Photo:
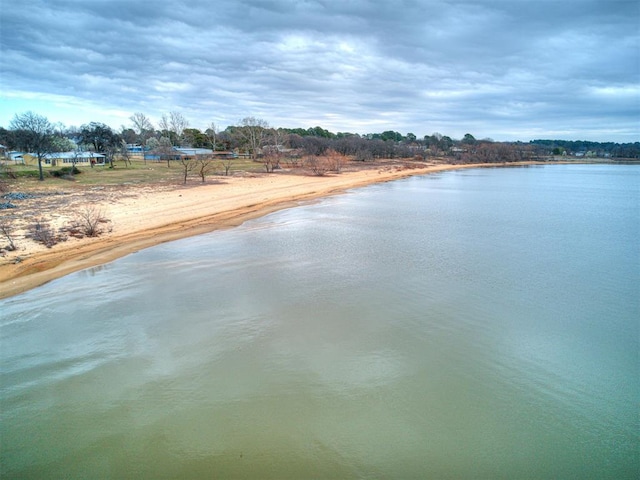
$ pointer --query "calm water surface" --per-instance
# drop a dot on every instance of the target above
(472, 324)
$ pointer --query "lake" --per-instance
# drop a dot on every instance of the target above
(471, 324)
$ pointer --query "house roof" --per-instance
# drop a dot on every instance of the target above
(70, 155)
(194, 151)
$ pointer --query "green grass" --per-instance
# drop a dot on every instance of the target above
(138, 172)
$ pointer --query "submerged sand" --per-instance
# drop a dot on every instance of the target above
(143, 216)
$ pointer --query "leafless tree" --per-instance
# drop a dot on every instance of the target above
(188, 165)
(89, 220)
(6, 229)
(178, 124)
(175, 124)
(205, 167)
(212, 133)
(335, 160)
(163, 124)
(271, 161)
(254, 130)
(142, 126)
(278, 138)
(125, 154)
(141, 123)
(318, 165)
(226, 165)
(164, 149)
(42, 232)
(74, 161)
(271, 157)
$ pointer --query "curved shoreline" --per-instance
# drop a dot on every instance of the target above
(161, 217)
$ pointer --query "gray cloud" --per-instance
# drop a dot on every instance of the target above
(503, 69)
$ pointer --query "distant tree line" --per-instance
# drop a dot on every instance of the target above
(30, 132)
(584, 147)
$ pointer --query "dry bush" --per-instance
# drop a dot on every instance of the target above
(41, 231)
(319, 166)
(6, 230)
(188, 165)
(292, 160)
(336, 160)
(6, 174)
(88, 222)
(271, 161)
(206, 166)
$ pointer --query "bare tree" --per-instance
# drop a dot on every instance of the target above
(278, 138)
(164, 125)
(34, 133)
(188, 165)
(226, 165)
(141, 123)
(254, 130)
(125, 154)
(74, 161)
(335, 160)
(163, 148)
(271, 157)
(6, 229)
(174, 125)
(43, 232)
(142, 126)
(205, 167)
(318, 165)
(178, 124)
(212, 133)
(89, 220)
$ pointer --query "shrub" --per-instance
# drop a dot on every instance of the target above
(88, 222)
(41, 231)
(318, 165)
(7, 172)
(64, 172)
(27, 174)
(6, 230)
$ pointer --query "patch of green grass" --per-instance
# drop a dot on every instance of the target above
(64, 172)
(27, 174)
(137, 172)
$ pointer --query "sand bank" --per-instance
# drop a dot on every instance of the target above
(144, 217)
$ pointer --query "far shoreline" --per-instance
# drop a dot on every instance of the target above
(201, 209)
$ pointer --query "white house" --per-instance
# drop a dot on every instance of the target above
(66, 159)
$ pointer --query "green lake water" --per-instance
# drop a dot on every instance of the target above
(471, 324)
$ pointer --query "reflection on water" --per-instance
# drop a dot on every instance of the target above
(478, 324)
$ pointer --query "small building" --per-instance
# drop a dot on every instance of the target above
(135, 148)
(224, 154)
(62, 159)
(193, 152)
(16, 157)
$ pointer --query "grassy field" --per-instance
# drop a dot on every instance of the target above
(138, 172)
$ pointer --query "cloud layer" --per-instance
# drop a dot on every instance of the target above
(502, 69)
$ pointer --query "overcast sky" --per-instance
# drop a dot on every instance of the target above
(508, 70)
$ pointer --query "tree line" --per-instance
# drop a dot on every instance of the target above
(33, 133)
(585, 147)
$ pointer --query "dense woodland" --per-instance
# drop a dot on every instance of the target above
(30, 132)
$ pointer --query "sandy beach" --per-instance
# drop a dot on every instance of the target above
(143, 216)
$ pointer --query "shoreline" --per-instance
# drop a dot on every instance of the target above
(150, 218)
